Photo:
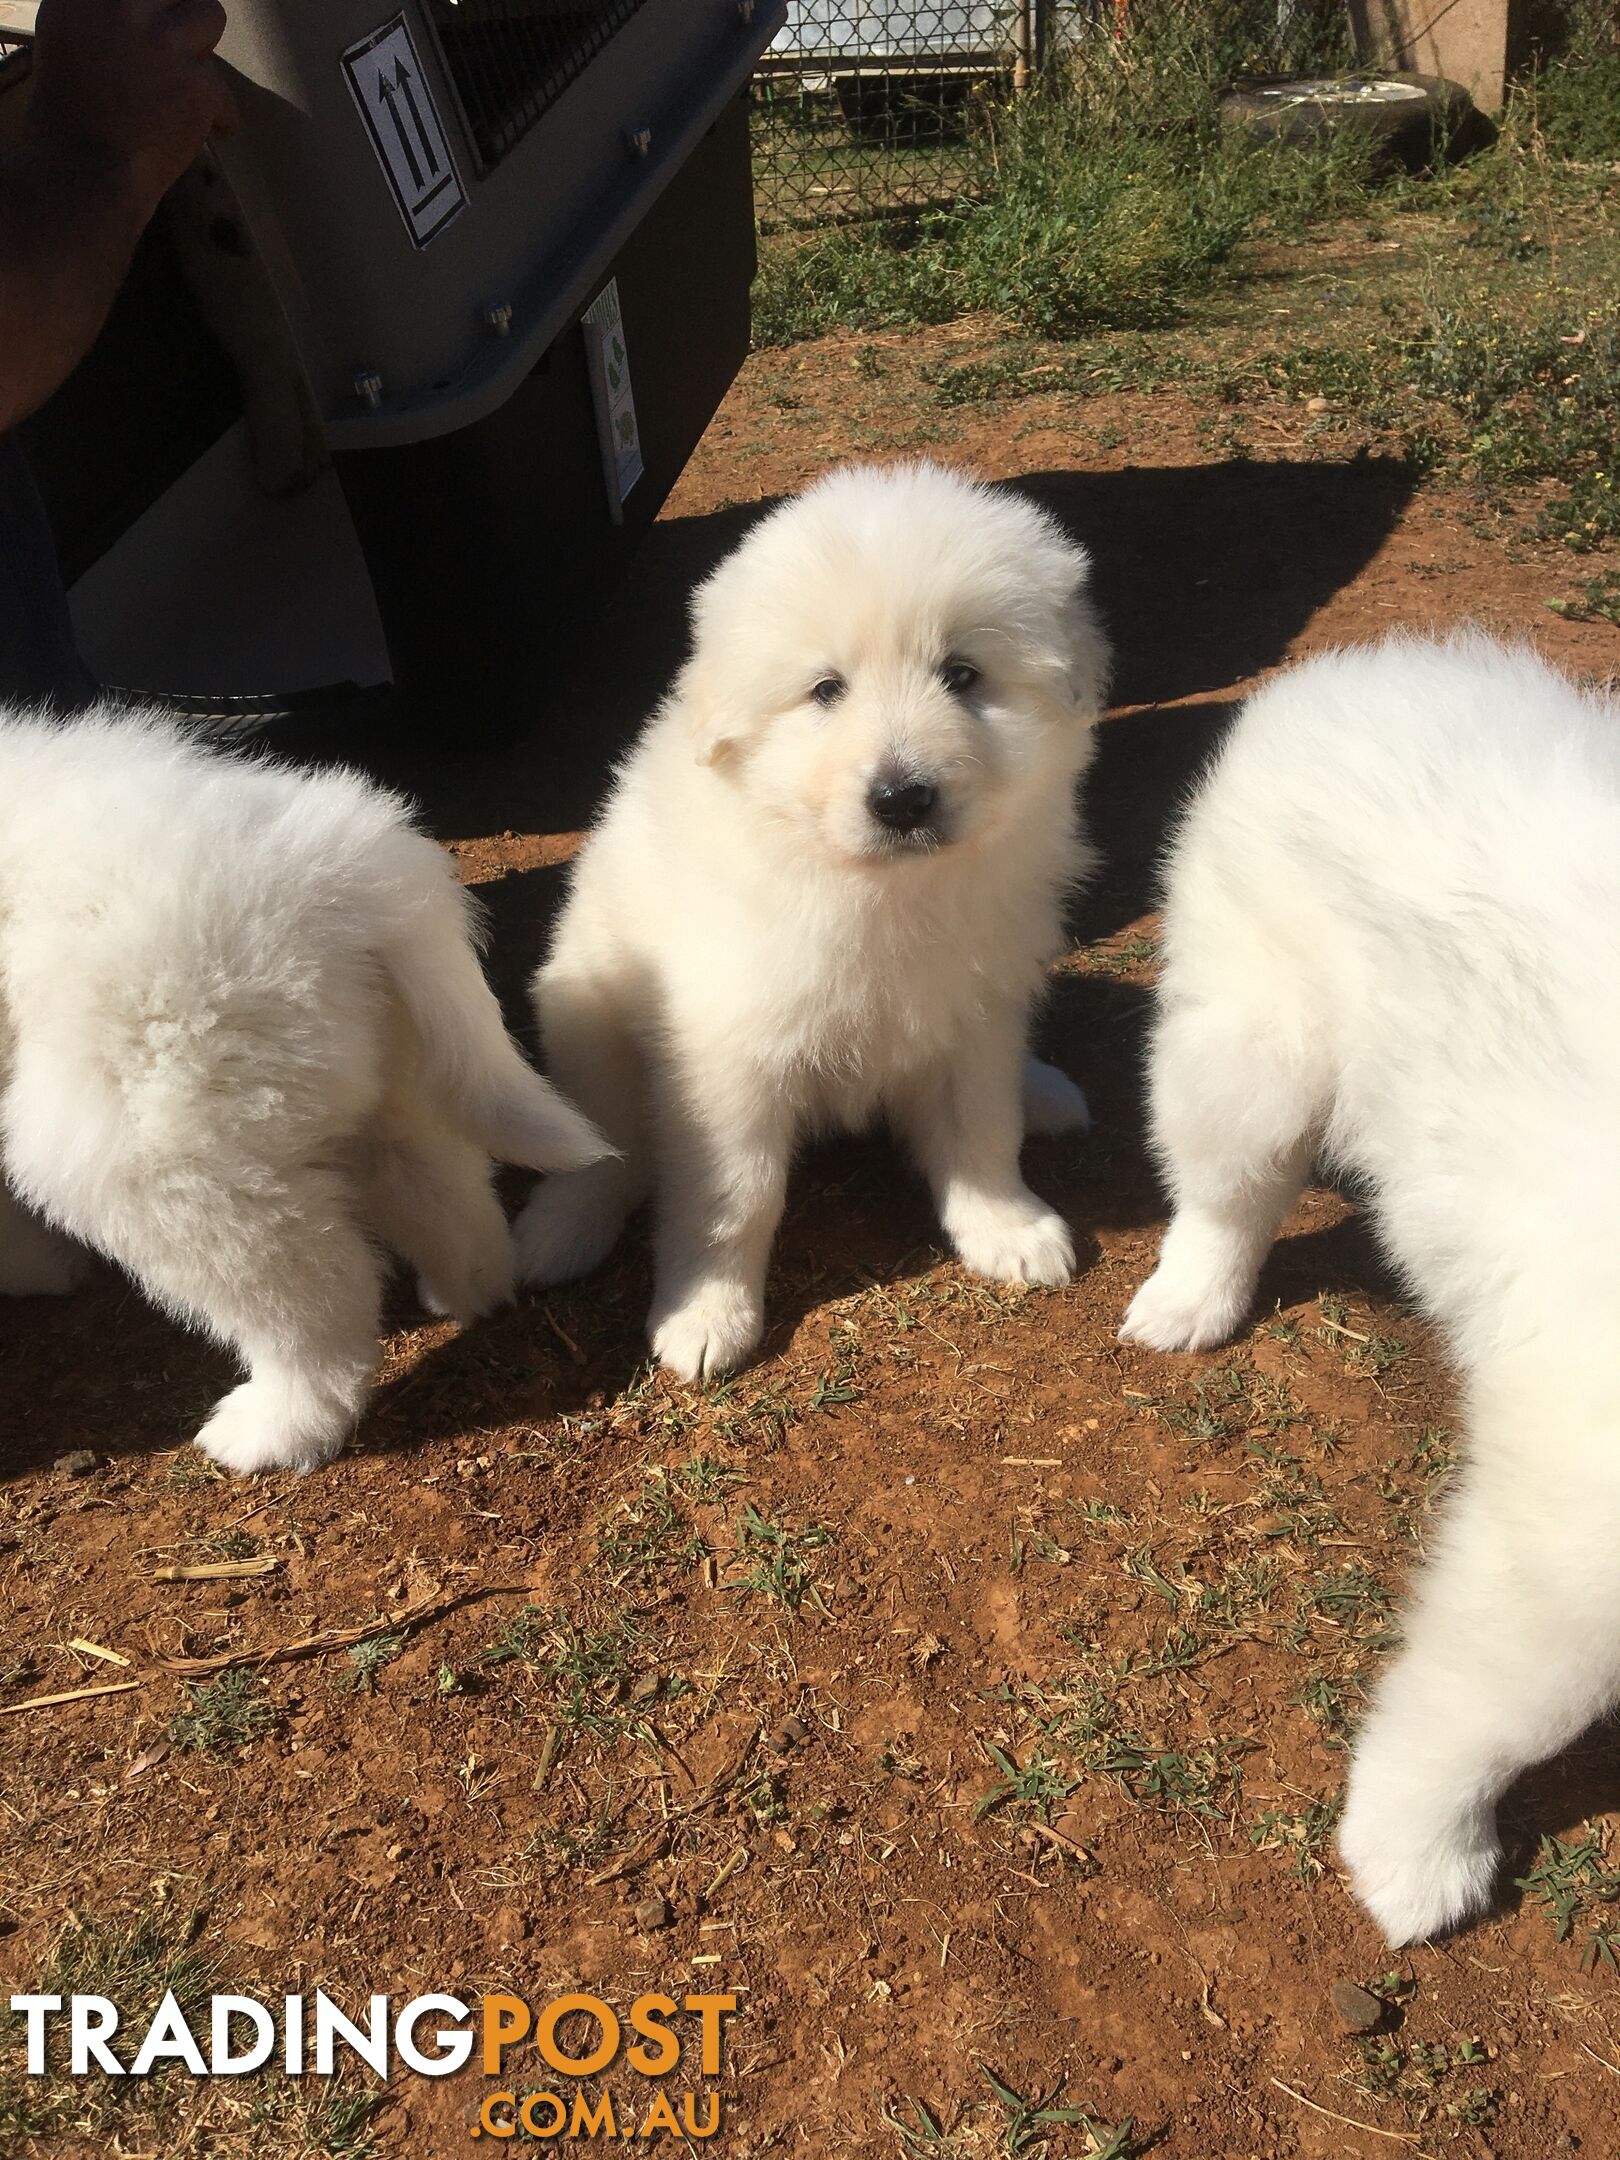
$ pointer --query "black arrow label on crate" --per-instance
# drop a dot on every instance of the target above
(395, 100)
(402, 83)
(387, 93)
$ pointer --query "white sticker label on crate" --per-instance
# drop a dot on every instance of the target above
(385, 76)
(603, 325)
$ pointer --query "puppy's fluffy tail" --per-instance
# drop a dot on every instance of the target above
(468, 1062)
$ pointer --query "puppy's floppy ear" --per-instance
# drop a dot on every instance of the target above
(715, 720)
(1074, 656)
(1086, 657)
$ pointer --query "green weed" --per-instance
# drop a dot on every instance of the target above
(223, 1716)
(777, 1558)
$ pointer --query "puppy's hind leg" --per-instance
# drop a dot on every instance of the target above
(430, 1196)
(1235, 1102)
(1053, 1103)
(572, 1221)
(1512, 1649)
(281, 1272)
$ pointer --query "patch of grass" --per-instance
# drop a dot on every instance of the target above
(765, 1417)
(187, 1470)
(1323, 1699)
(1598, 600)
(776, 1559)
(706, 1478)
(1570, 1879)
(521, 1640)
(1008, 2124)
(1350, 1597)
(837, 1384)
(1100, 1516)
(322, 2118)
(1201, 1777)
(593, 1678)
(134, 1962)
(1104, 198)
(593, 1668)
(1027, 1541)
(1295, 1497)
(1434, 1452)
(1024, 2123)
(649, 1535)
(1427, 2079)
(223, 1716)
(1036, 1786)
(1218, 1407)
(1304, 1836)
(1572, 104)
(232, 1545)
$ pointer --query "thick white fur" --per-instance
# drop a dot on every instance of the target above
(746, 954)
(1393, 932)
(243, 1035)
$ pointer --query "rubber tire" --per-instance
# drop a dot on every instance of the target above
(1428, 117)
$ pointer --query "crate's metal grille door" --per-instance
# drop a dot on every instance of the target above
(511, 59)
(861, 107)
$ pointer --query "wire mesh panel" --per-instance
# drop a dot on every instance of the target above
(861, 107)
(511, 59)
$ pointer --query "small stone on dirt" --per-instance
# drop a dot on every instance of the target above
(653, 1913)
(786, 1736)
(1360, 2010)
(78, 1462)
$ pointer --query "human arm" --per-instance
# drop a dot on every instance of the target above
(124, 95)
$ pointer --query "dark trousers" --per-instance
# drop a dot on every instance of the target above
(39, 662)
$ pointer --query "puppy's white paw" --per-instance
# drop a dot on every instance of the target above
(265, 1425)
(1173, 1312)
(712, 1331)
(570, 1225)
(1053, 1103)
(1014, 1241)
(1418, 1874)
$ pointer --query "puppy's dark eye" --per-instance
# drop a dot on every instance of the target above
(958, 676)
(829, 690)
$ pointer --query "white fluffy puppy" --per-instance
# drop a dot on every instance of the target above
(1393, 933)
(243, 1033)
(825, 889)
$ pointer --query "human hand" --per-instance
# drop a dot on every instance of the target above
(131, 85)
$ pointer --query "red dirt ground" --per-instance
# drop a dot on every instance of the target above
(1034, 1779)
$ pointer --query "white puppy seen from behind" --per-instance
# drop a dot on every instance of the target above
(1393, 937)
(245, 1041)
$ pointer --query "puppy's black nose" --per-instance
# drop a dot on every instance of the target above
(901, 805)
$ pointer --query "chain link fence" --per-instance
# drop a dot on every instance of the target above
(863, 107)
(868, 108)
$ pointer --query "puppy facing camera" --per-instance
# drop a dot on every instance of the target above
(825, 891)
(246, 1044)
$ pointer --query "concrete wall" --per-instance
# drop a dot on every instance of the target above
(1477, 43)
